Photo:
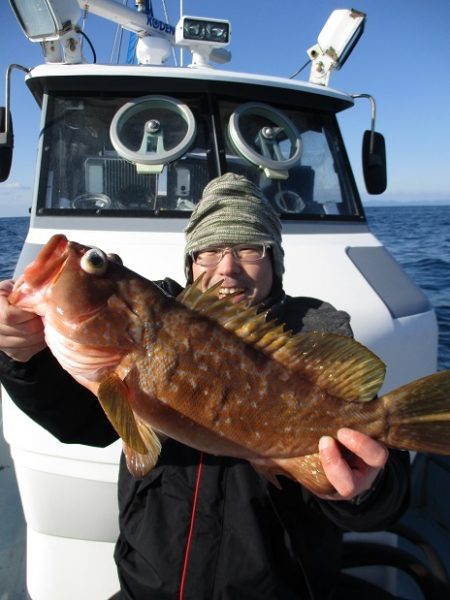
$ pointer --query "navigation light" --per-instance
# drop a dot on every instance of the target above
(45, 20)
(203, 37)
(336, 41)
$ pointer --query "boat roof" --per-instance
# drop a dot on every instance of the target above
(63, 77)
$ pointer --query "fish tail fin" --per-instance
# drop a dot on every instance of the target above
(419, 415)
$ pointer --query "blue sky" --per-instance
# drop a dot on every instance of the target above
(402, 59)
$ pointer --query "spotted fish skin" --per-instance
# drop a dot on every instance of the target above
(216, 375)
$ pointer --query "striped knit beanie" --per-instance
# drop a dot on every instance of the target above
(233, 210)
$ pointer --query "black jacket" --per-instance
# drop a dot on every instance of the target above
(208, 526)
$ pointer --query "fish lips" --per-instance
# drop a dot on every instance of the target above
(44, 269)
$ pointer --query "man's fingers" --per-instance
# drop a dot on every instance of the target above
(6, 287)
(21, 332)
(11, 316)
(337, 470)
(373, 453)
(352, 462)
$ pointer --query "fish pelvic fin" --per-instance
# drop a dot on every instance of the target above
(419, 415)
(306, 470)
(338, 364)
(141, 444)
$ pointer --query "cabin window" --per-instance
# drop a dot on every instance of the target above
(152, 155)
(304, 177)
(83, 173)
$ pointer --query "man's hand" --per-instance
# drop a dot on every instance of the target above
(353, 464)
(21, 333)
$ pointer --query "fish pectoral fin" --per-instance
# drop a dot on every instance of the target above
(140, 464)
(113, 397)
(141, 445)
(306, 470)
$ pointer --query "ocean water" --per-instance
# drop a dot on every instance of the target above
(13, 231)
(417, 236)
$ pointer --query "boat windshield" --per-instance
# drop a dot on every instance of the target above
(153, 155)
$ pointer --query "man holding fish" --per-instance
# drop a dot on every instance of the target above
(206, 514)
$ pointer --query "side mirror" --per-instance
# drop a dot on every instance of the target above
(6, 144)
(374, 162)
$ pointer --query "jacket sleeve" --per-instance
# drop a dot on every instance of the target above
(303, 314)
(382, 506)
(51, 397)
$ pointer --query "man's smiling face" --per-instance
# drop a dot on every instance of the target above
(252, 280)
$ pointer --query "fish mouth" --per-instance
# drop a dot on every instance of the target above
(48, 262)
(44, 269)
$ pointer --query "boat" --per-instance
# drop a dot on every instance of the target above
(124, 153)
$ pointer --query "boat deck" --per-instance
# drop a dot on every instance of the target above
(12, 529)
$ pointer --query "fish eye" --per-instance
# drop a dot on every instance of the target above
(94, 262)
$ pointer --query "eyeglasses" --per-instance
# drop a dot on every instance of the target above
(242, 253)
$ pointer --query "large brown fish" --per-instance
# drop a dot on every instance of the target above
(215, 375)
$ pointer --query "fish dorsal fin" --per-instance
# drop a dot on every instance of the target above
(337, 364)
